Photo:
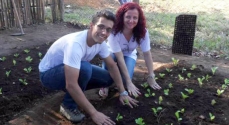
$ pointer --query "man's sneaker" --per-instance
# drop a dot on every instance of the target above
(72, 115)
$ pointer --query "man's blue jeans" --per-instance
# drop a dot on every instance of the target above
(130, 64)
(90, 77)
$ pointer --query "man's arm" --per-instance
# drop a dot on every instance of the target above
(72, 86)
(114, 72)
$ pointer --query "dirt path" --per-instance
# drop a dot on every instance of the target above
(34, 35)
(46, 111)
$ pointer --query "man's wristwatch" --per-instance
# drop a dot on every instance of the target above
(124, 93)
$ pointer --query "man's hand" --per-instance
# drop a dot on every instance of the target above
(152, 83)
(127, 100)
(132, 89)
(101, 119)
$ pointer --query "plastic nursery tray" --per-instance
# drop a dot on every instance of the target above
(184, 34)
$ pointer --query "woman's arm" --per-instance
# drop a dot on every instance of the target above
(132, 89)
(151, 76)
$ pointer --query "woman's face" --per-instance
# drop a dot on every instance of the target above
(131, 19)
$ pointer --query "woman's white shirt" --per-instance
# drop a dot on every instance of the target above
(118, 43)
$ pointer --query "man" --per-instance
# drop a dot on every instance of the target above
(66, 67)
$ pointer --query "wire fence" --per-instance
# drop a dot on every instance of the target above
(28, 12)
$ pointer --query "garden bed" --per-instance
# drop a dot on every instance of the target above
(16, 96)
(19, 95)
(203, 107)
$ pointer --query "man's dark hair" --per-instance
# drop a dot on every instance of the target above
(103, 13)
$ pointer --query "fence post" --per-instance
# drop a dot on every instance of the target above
(61, 8)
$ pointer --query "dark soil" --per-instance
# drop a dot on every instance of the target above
(17, 97)
(197, 106)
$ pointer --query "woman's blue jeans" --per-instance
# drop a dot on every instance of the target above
(90, 76)
(130, 64)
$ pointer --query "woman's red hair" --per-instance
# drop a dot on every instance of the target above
(139, 30)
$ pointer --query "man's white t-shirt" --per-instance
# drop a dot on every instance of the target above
(70, 50)
(119, 43)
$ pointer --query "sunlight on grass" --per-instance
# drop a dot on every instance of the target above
(212, 24)
(211, 28)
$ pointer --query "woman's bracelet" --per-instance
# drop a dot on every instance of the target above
(151, 76)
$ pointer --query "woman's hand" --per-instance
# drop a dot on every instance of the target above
(132, 89)
(127, 100)
(152, 82)
(101, 119)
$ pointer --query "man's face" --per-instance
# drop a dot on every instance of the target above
(101, 30)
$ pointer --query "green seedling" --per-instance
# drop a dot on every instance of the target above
(39, 54)
(8, 73)
(0, 91)
(207, 77)
(126, 102)
(219, 92)
(26, 51)
(14, 62)
(190, 91)
(155, 110)
(160, 100)
(213, 102)
(29, 59)
(226, 81)
(183, 70)
(23, 81)
(224, 87)
(28, 70)
(214, 70)
(119, 117)
(170, 85)
(180, 77)
(168, 70)
(193, 67)
(149, 93)
(16, 55)
(189, 75)
(139, 121)
(145, 85)
(3, 58)
(200, 80)
(184, 96)
(161, 75)
(177, 114)
(175, 61)
(166, 91)
(212, 117)
(182, 110)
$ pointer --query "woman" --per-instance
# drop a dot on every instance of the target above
(130, 32)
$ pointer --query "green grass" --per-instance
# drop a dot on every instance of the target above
(212, 26)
